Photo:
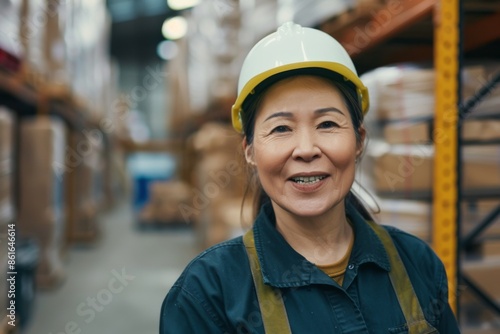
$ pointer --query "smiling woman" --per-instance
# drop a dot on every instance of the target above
(314, 261)
(304, 148)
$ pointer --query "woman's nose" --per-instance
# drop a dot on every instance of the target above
(306, 148)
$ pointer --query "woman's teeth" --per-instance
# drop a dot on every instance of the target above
(307, 179)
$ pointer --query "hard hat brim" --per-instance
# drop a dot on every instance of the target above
(250, 86)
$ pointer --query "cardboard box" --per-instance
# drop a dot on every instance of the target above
(485, 274)
(32, 33)
(41, 168)
(406, 91)
(490, 248)
(213, 137)
(54, 46)
(41, 203)
(6, 200)
(222, 173)
(171, 202)
(414, 217)
(220, 165)
(86, 228)
(6, 138)
(50, 271)
(421, 132)
(466, 330)
(83, 188)
(407, 170)
(225, 218)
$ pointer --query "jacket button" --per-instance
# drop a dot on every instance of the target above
(351, 266)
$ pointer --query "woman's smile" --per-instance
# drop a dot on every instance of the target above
(308, 182)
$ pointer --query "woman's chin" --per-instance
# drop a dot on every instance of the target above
(306, 208)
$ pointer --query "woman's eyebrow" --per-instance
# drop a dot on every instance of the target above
(280, 114)
(328, 109)
(288, 114)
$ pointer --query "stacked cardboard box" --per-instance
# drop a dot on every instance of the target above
(399, 161)
(407, 170)
(171, 203)
(415, 217)
(84, 186)
(229, 217)
(219, 183)
(406, 91)
(64, 49)
(6, 161)
(41, 200)
(484, 273)
(400, 154)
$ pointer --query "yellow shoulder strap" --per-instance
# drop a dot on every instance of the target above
(273, 309)
(271, 304)
(401, 284)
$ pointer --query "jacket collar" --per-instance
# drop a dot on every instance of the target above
(283, 267)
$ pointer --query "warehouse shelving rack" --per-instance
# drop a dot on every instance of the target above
(441, 31)
(27, 97)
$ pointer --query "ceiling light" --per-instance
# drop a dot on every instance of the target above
(167, 50)
(174, 28)
(182, 4)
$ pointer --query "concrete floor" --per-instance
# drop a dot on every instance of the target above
(118, 285)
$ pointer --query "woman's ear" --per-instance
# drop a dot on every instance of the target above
(361, 143)
(248, 149)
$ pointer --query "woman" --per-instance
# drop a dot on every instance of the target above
(313, 262)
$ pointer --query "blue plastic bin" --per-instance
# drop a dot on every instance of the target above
(146, 168)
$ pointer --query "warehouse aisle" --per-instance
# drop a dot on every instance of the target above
(118, 285)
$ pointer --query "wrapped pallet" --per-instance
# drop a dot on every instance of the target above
(10, 20)
(41, 200)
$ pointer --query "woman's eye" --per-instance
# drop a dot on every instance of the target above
(327, 125)
(280, 129)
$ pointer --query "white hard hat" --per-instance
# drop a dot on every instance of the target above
(293, 47)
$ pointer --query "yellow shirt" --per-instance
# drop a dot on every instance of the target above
(337, 270)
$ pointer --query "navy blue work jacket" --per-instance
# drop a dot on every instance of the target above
(216, 294)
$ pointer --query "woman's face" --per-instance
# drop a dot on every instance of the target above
(304, 146)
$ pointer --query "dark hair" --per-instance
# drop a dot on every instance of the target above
(252, 103)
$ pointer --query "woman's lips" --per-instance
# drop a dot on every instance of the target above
(308, 183)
